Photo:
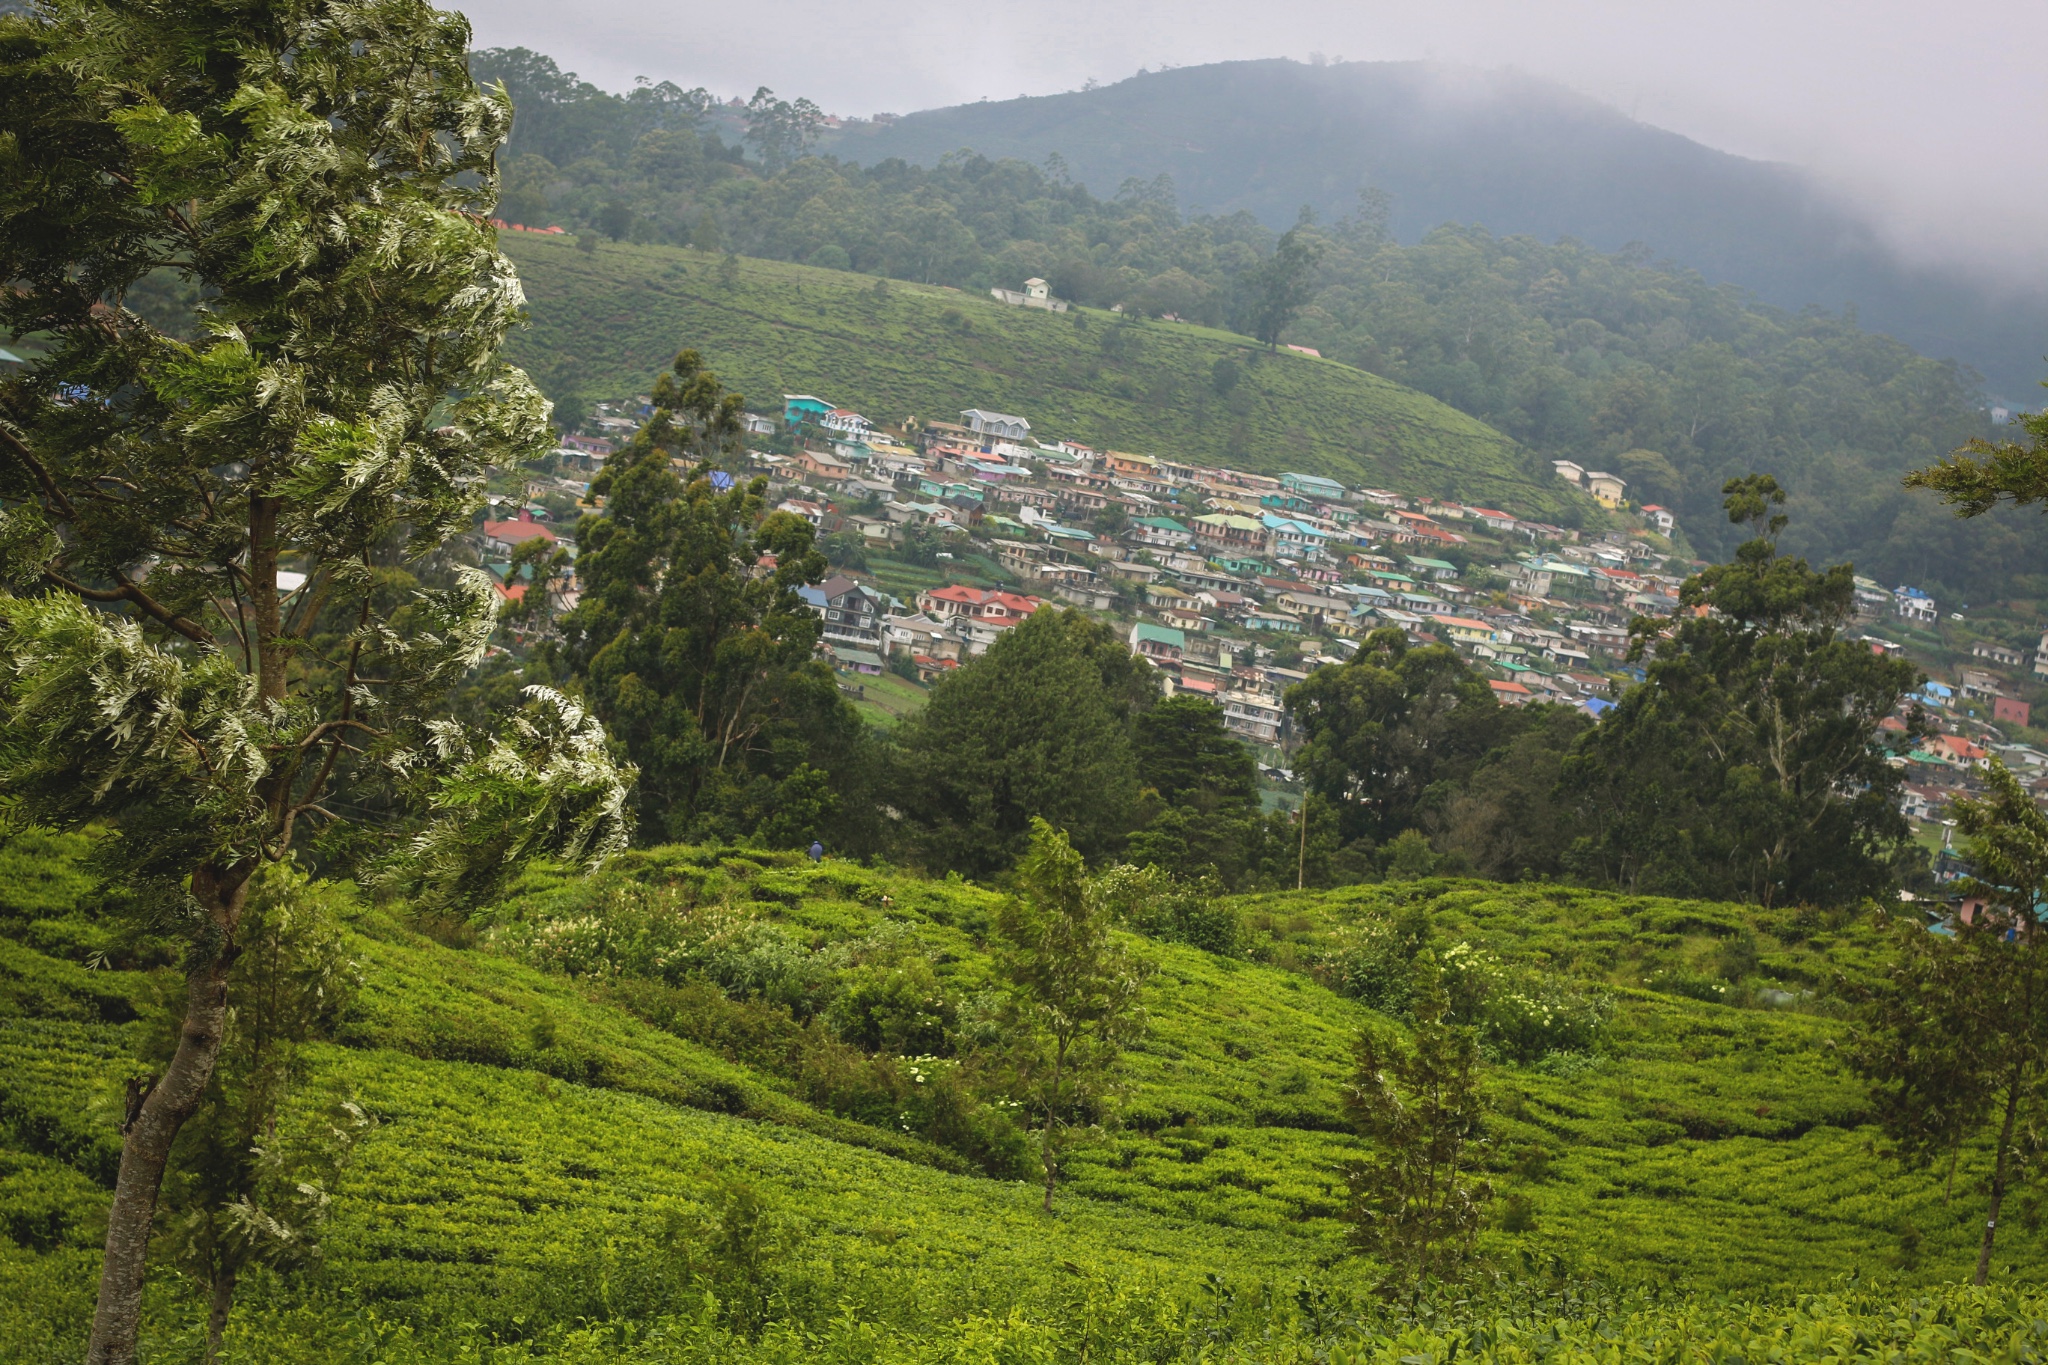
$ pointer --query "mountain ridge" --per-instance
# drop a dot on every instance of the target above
(1506, 150)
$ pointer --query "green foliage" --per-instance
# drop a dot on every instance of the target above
(1072, 994)
(556, 1156)
(1039, 726)
(1414, 1202)
(702, 667)
(321, 181)
(1992, 472)
(1749, 764)
(1387, 726)
(1955, 1037)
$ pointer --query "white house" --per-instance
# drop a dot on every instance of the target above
(1914, 605)
(1036, 294)
(999, 426)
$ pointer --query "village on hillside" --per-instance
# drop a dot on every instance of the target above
(1234, 585)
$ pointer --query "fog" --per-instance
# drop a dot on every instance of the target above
(1931, 118)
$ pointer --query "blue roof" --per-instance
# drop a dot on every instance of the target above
(721, 480)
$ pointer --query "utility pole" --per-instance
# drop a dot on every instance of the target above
(1301, 862)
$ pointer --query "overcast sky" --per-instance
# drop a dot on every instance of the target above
(1931, 113)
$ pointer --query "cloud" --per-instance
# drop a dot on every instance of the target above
(1929, 117)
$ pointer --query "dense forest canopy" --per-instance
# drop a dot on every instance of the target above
(1612, 359)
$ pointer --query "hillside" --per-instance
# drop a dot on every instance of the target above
(1498, 149)
(602, 324)
(563, 1123)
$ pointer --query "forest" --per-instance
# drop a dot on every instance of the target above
(1612, 359)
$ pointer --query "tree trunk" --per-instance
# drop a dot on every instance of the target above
(1998, 1170)
(145, 1150)
(217, 1311)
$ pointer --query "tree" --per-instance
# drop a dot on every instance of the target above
(700, 658)
(1414, 1203)
(1037, 726)
(542, 564)
(1283, 284)
(1955, 1036)
(1390, 728)
(1992, 472)
(782, 132)
(324, 176)
(239, 1192)
(1206, 784)
(615, 219)
(1748, 764)
(1073, 994)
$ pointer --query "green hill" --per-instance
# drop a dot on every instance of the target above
(602, 324)
(583, 1154)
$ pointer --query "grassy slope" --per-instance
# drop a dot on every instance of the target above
(532, 1135)
(603, 324)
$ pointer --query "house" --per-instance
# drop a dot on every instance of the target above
(827, 467)
(1510, 693)
(1160, 531)
(1439, 569)
(1122, 464)
(1252, 717)
(846, 422)
(2041, 657)
(1160, 644)
(1999, 654)
(1313, 486)
(813, 512)
(993, 426)
(2010, 710)
(1607, 489)
(850, 660)
(1570, 471)
(930, 670)
(852, 613)
(1977, 685)
(920, 635)
(1036, 294)
(1911, 604)
(499, 537)
(1659, 517)
(1220, 531)
(993, 607)
(754, 424)
(798, 408)
(1465, 630)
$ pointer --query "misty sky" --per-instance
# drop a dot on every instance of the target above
(1931, 113)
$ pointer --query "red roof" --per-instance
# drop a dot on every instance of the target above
(1513, 689)
(512, 532)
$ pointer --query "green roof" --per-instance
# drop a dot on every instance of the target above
(1432, 563)
(1162, 524)
(1165, 635)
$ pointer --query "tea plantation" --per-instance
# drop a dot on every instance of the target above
(603, 323)
(630, 1118)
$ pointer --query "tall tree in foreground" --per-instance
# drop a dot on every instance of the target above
(242, 1193)
(1073, 1002)
(1748, 765)
(691, 640)
(194, 537)
(1415, 1199)
(1954, 1040)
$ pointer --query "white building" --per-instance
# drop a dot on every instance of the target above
(1037, 294)
(1000, 426)
(1914, 605)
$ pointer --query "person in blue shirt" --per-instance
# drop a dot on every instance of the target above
(817, 850)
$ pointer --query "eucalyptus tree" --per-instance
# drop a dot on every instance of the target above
(223, 633)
